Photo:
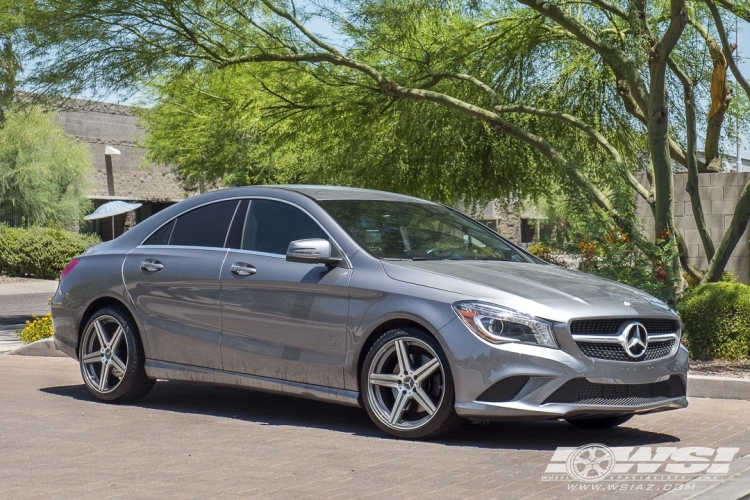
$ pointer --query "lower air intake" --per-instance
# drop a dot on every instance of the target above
(504, 390)
(582, 392)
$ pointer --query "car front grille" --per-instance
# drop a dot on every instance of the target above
(581, 391)
(612, 326)
(597, 338)
(615, 352)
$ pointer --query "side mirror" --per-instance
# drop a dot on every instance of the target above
(313, 251)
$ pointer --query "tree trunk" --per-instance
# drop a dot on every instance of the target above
(721, 96)
(658, 137)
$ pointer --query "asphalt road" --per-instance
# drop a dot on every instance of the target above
(188, 440)
(15, 309)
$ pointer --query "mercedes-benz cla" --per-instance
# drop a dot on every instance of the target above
(407, 308)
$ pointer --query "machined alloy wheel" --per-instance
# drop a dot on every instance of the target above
(407, 388)
(111, 357)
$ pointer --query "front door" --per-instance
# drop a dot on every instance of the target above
(284, 320)
(173, 279)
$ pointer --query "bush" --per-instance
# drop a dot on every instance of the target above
(39, 252)
(716, 319)
(40, 327)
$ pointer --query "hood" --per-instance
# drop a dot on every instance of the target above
(542, 290)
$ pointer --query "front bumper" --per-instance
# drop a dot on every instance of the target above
(477, 366)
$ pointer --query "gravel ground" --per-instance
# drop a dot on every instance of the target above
(736, 369)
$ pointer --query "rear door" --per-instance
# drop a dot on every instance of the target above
(284, 320)
(173, 279)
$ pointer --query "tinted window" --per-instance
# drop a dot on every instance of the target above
(272, 225)
(160, 237)
(419, 231)
(204, 227)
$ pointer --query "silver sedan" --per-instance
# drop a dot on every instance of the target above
(407, 308)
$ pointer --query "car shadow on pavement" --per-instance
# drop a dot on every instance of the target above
(273, 409)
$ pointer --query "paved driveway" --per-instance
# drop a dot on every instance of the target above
(197, 441)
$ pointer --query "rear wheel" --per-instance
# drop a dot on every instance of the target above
(407, 387)
(112, 359)
(599, 422)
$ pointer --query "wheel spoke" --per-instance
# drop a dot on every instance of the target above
(100, 333)
(398, 407)
(426, 369)
(403, 357)
(424, 401)
(103, 377)
(118, 364)
(93, 357)
(384, 379)
(116, 337)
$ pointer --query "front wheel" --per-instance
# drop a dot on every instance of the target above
(112, 359)
(407, 387)
(599, 422)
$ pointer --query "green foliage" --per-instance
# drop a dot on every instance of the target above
(39, 252)
(580, 237)
(716, 321)
(38, 328)
(43, 172)
(223, 126)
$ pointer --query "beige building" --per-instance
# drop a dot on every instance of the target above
(100, 125)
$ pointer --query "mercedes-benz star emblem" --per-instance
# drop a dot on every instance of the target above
(634, 339)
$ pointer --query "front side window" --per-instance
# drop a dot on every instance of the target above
(271, 225)
(205, 226)
(418, 231)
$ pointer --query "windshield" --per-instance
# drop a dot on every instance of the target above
(417, 231)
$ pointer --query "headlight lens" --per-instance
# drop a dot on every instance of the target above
(499, 324)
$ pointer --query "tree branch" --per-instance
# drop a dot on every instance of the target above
(688, 86)
(591, 131)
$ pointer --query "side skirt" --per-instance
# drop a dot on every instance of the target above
(177, 371)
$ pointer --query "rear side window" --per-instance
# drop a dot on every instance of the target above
(204, 227)
(161, 237)
(271, 225)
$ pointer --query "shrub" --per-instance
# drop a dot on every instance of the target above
(716, 319)
(40, 327)
(39, 252)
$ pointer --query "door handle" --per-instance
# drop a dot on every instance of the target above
(242, 269)
(151, 265)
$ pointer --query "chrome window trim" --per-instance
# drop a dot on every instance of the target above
(282, 256)
(183, 247)
(259, 254)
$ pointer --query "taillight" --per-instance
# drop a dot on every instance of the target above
(73, 263)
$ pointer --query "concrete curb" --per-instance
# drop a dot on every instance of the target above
(701, 386)
(45, 347)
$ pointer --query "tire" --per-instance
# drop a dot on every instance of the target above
(387, 385)
(599, 422)
(111, 346)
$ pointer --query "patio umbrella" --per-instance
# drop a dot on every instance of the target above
(110, 210)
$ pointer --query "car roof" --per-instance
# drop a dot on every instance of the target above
(322, 193)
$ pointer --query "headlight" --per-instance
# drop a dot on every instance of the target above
(498, 324)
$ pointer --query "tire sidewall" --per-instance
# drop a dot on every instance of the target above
(445, 410)
(135, 356)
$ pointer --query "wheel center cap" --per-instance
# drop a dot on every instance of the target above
(409, 383)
